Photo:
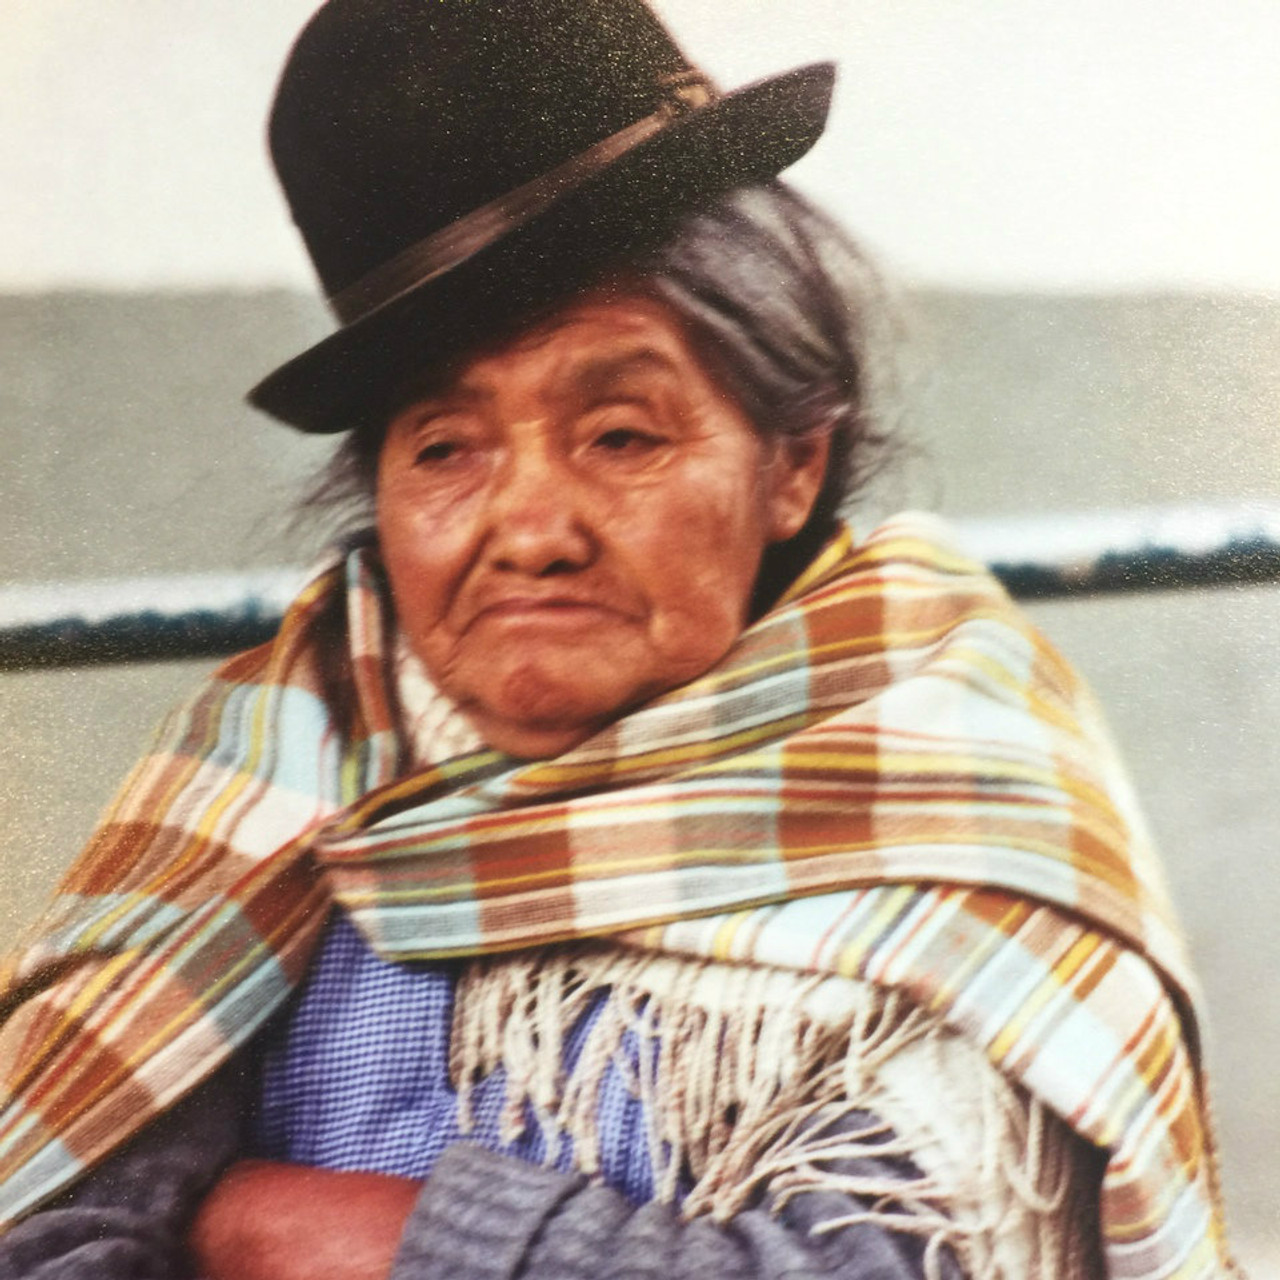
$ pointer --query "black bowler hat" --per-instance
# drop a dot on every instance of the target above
(453, 165)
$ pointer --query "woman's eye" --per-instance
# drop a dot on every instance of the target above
(626, 440)
(437, 451)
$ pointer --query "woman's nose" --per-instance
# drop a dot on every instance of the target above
(537, 516)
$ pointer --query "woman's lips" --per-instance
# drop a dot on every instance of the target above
(549, 611)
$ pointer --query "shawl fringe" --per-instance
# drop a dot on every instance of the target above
(752, 1078)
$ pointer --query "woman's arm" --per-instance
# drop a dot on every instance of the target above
(482, 1216)
(128, 1219)
(478, 1218)
(271, 1221)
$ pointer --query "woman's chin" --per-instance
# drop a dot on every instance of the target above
(535, 711)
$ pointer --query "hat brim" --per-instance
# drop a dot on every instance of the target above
(747, 136)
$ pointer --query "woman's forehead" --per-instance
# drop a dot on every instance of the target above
(594, 342)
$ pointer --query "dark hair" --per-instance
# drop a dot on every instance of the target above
(786, 310)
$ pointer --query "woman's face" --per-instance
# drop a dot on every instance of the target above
(574, 523)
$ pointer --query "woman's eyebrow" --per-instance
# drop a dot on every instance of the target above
(445, 399)
(599, 374)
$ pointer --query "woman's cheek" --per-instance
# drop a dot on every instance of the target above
(425, 547)
(703, 589)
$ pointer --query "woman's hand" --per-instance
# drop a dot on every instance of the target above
(270, 1221)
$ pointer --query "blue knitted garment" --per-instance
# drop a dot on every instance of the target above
(357, 1076)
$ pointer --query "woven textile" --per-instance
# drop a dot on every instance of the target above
(891, 776)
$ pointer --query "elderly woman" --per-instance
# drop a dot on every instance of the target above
(614, 866)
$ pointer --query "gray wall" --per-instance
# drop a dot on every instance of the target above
(127, 451)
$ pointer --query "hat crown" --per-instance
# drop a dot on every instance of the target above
(395, 118)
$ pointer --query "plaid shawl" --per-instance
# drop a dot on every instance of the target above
(892, 776)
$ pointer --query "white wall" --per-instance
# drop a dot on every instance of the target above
(1022, 144)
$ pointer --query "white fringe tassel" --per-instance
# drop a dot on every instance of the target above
(749, 1077)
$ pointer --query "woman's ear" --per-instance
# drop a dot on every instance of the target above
(798, 469)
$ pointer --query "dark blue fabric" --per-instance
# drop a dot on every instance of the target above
(357, 1077)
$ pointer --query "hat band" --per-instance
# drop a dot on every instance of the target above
(443, 250)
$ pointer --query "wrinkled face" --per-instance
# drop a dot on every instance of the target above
(574, 523)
